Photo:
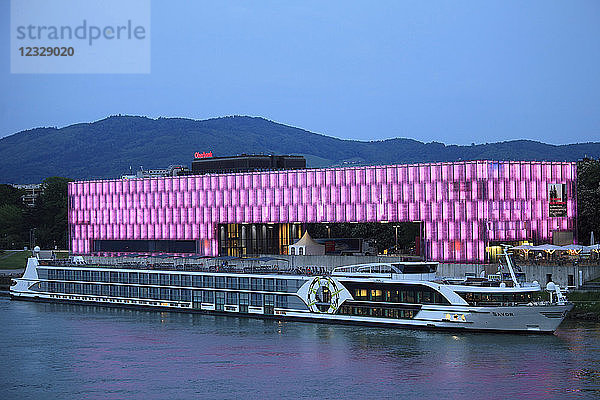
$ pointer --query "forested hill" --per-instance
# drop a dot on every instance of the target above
(109, 147)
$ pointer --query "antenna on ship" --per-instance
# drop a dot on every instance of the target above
(509, 264)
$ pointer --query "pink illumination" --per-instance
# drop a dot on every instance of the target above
(463, 205)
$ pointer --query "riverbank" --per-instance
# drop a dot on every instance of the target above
(586, 306)
(13, 259)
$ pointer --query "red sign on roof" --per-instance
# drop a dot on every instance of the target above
(203, 154)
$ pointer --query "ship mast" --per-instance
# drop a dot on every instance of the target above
(509, 265)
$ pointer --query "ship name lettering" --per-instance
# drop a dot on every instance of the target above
(502, 314)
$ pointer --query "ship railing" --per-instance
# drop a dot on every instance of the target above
(265, 269)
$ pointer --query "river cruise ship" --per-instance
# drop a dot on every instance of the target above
(395, 294)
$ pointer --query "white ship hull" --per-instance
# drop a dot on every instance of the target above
(300, 303)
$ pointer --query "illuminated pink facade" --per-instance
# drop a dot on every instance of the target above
(464, 206)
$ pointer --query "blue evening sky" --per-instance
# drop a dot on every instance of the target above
(448, 71)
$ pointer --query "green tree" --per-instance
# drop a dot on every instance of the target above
(12, 213)
(588, 199)
(10, 195)
(49, 218)
(12, 227)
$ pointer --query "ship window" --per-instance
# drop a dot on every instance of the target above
(164, 280)
(232, 298)
(165, 294)
(86, 276)
(269, 303)
(269, 285)
(208, 296)
(175, 280)
(281, 285)
(232, 283)
(153, 293)
(186, 280)
(376, 295)
(197, 297)
(256, 299)
(39, 287)
(281, 301)
(256, 284)
(42, 273)
(219, 301)
(208, 281)
(186, 295)
(143, 278)
(197, 281)
(134, 291)
(244, 283)
(244, 301)
(378, 312)
(154, 279)
(427, 297)
(493, 299)
(220, 282)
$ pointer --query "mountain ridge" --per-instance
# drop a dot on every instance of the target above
(108, 147)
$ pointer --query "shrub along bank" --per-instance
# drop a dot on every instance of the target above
(587, 305)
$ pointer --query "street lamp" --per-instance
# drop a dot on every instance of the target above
(396, 231)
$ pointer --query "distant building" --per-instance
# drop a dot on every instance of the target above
(204, 163)
(172, 170)
(32, 192)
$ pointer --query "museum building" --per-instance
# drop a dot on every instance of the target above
(465, 209)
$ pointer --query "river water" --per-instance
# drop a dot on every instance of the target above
(58, 351)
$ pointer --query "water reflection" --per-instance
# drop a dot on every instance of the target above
(65, 351)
